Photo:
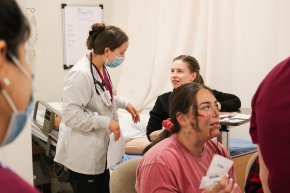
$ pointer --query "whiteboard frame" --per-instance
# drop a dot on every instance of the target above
(63, 6)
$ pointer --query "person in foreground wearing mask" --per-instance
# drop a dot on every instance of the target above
(178, 159)
(15, 87)
(90, 111)
(184, 69)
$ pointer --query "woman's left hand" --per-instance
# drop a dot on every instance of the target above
(134, 113)
(225, 185)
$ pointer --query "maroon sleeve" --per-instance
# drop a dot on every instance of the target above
(253, 124)
(270, 125)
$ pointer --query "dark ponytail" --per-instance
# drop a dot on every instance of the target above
(102, 36)
(165, 133)
(199, 79)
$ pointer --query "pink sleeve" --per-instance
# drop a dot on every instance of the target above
(155, 178)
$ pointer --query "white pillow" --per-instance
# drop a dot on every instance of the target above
(131, 130)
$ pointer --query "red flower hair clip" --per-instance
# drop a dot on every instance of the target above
(167, 124)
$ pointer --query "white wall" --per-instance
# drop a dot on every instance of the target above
(18, 155)
(46, 46)
(46, 43)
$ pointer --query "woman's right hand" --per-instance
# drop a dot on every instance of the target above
(225, 185)
(155, 134)
(115, 128)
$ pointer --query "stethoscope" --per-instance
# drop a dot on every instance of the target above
(96, 82)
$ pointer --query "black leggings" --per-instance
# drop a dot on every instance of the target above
(82, 183)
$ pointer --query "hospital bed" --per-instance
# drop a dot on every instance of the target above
(45, 132)
(44, 138)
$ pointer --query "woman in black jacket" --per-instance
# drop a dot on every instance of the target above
(184, 69)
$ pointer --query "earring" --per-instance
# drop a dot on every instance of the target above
(6, 82)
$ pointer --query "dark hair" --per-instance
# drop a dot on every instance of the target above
(193, 66)
(14, 27)
(183, 100)
(102, 36)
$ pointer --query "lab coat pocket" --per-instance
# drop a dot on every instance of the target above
(82, 147)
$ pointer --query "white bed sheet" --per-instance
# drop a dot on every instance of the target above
(131, 130)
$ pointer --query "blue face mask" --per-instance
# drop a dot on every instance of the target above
(115, 63)
(16, 125)
(18, 119)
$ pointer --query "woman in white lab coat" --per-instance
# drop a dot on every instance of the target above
(90, 111)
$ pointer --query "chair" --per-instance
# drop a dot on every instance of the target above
(250, 163)
(240, 167)
(124, 176)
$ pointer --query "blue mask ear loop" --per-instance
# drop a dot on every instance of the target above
(21, 68)
(6, 82)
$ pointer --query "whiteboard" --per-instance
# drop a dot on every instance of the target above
(77, 22)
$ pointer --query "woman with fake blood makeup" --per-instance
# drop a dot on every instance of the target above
(178, 159)
(184, 69)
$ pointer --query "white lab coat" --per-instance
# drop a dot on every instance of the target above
(84, 132)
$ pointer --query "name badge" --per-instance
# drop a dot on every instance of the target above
(106, 98)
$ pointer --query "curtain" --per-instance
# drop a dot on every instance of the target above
(237, 42)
